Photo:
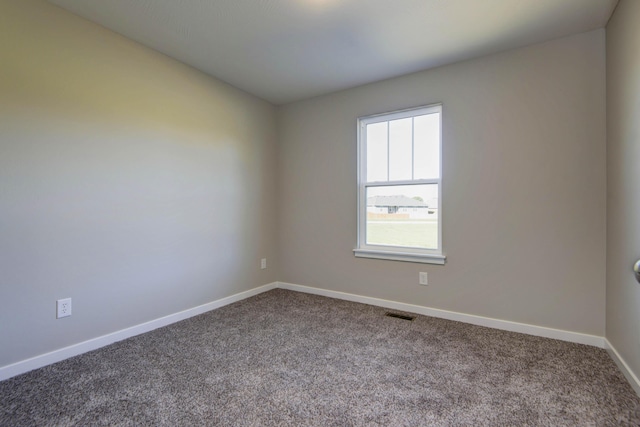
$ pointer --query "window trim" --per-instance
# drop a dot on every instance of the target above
(400, 253)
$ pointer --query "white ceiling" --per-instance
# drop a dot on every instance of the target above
(287, 50)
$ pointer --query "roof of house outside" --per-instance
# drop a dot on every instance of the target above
(400, 201)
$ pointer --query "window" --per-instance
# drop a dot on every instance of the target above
(399, 186)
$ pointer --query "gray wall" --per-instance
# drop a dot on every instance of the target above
(141, 187)
(623, 181)
(128, 181)
(524, 187)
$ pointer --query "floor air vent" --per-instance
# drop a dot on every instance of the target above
(399, 316)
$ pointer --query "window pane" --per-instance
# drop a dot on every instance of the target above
(400, 151)
(426, 146)
(403, 215)
(377, 153)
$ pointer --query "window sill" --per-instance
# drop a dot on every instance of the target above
(400, 256)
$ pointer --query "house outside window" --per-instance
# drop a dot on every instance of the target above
(399, 185)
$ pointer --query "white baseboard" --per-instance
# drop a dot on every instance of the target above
(39, 361)
(27, 365)
(506, 325)
(626, 370)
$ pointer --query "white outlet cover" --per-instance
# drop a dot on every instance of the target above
(263, 263)
(63, 308)
(424, 280)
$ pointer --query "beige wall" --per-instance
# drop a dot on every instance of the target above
(623, 181)
(523, 187)
(128, 181)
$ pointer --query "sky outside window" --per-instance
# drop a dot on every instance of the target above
(404, 149)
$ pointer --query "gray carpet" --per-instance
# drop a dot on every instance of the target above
(284, 358)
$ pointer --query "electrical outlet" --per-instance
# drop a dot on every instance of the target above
(63, 307)
(263, 263)
(424, 279)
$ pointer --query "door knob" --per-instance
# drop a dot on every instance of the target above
(636, 269)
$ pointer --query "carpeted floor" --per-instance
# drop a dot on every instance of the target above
(286, 358)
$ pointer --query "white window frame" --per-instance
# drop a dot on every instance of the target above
(397, 253)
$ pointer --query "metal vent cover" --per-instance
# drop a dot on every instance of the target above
(399, 316)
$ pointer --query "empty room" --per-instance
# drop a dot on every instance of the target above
(319, 212)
